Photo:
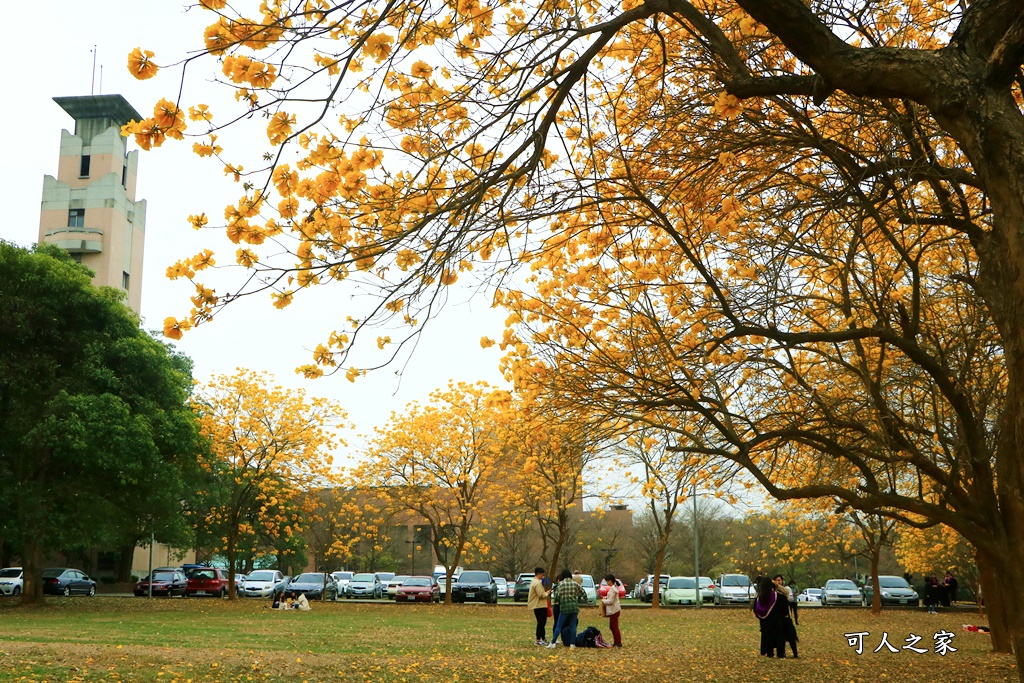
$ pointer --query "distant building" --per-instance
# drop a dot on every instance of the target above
(90, 209)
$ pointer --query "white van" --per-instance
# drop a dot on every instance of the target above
(440, 571)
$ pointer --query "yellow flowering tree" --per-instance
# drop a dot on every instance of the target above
(441, 462)
(808, 176)
(269, 448)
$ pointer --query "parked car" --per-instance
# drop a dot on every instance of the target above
(207, 581)
(638, 589)
(168, 582)
(315, 585)
(894, 589)
(364, 585)
(511, 592)
(260, 583)
(603, 588)
(11, 581)
(680, 590)
(385, 578)
(440, 570)
(810, 595)
(647, 595)
(733, 588)
(342, 578)
(418, 589)
(521, 591)
(475, 585)
(707, 588)
(502, 585)
(590, 589)
(442, 585)
(281, 587)
(394, 583)
(840, 592)
(67, 581)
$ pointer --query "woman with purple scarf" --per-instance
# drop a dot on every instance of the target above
(772, 610)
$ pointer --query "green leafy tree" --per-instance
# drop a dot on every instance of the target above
(96, 436)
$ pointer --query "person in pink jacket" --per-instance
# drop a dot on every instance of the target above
(612, 608)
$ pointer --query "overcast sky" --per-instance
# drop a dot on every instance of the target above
(55, 59)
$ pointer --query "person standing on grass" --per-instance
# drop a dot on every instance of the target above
(788, 624)
(612, 608)
(567, 593)
(931, 594)
(554, 608)
(771, 608)
(538, 602)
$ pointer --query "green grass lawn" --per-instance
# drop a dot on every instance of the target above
(196, 640)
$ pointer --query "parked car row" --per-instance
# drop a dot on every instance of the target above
(56, 581)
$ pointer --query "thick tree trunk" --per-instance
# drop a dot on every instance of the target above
(32, 559)
(232, 557)
(124, 563)
(1001, 641)
(659, 561)
(555, 552)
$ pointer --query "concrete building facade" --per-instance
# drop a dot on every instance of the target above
(90, 208)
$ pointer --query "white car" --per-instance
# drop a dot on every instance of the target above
(502, 584)
(707, 588)
(647, 592)
(590, 589)
(840, 592)
(393, 584)
(681, 590)
(342, 579)
(260, 583)
(810, 595)
(11, 581)
(734, 588)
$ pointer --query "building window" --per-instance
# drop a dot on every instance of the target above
(76, 218)
(83, 169)
(124, 281)
(107, 561)
(124, 176)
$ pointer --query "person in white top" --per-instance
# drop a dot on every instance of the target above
(612, 608)
(301, 602)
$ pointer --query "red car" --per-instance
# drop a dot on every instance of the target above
(603, 590)
(207, 581)
(418, 589)
(169, 582)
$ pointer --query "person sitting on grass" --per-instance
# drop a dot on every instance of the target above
(299, 601)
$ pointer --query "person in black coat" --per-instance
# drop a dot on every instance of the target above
(789, 623)
(772, 611)
(931, 594)
(949, 587)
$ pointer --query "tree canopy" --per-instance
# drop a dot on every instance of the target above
(97, 441)
(270, 447)
(829, 190)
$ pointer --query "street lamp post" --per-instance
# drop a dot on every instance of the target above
(609, 553)
(696, 550)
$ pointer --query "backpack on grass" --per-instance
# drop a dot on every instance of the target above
(588, 637)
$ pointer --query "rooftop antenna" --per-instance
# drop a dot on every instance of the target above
(101, 79)
(92, 88)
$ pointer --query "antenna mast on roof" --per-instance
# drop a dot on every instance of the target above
(92, 87)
